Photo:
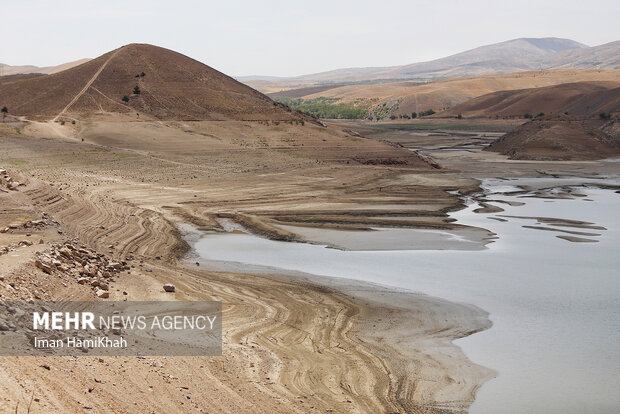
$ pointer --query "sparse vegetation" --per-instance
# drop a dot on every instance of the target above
(540, 114)
(604, 115)
(528, 116)
(326, 108)
(427, 112)
(136, 90)
(125, 99)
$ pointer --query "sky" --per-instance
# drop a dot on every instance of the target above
(294, 37)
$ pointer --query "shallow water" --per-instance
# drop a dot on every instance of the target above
(555, 304)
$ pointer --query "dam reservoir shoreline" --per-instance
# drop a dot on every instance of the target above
(549, 273)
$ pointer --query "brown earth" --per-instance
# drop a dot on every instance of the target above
(6, 70)
(120, 188)
(561, 138)
(408, 97)
(580, 98)
(173, 87)
(511, 56)
(291, 344)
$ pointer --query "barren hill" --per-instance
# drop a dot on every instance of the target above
(515, 55)
(6, 70)
(407, 97)
(580, 98)
(561, 138)
(510, 56)
(138, 78)
(605, 56)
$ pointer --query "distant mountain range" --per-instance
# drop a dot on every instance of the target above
(6, 70)
(506, 57)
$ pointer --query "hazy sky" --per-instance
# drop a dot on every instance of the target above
(284, 38)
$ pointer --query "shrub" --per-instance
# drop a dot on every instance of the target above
(540, 114)
(125, 99)
(326, 108)
(528, 116)
(73, 122)
(414, 115)
(5, 110)
(604, 115)
(392, 117)
(136, 90)
(459, 116)
(142, 74)
(62, 122)
(427, 112)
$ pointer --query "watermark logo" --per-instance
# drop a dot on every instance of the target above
(111, 328)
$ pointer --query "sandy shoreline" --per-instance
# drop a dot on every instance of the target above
(291, 345)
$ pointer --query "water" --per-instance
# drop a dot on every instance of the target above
(555, 304)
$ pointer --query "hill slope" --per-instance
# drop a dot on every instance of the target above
(6, 70)
(605, 56)
(561, 138)
(516, 55)
(173, 87)
(407, 97)
(580, 98)
(511, 56)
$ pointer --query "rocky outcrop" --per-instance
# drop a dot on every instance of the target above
(86, 265)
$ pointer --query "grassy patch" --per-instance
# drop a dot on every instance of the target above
(123, 155)
(328, 108)
(16, 161)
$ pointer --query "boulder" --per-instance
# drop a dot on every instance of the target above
(102, 294)
(169, 287)
(43, 266)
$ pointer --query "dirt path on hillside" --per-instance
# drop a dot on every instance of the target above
(85, 88)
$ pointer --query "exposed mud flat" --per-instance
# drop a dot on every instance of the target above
(527, 303)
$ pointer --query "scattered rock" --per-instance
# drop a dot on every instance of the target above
(103, 294)
(43, 266)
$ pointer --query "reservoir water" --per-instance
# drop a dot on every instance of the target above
(554, 303)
